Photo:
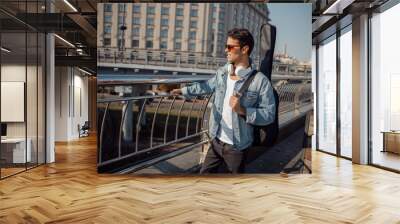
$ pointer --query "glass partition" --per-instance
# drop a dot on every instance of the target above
(15, 152)
(22, 92)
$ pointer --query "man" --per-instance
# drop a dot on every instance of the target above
(232, 117)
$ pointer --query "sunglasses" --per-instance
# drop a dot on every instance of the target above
(230, 47)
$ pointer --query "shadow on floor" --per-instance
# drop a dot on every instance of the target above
(286, 156)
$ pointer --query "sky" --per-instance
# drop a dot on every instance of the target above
(293, 24)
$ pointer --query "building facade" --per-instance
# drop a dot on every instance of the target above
(193, 28)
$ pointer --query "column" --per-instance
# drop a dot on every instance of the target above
(360, 90)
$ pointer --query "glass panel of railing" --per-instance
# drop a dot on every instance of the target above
(109, 116)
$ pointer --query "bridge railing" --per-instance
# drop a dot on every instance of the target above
(186, 60)
(160, 58)
(140, 128)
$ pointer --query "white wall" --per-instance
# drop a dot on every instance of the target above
(13, 73)
(61, 103)
(71, 93)
(33, 126)
(10, 73)
(81, 83)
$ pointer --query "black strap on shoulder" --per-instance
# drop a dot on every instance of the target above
(246, 83)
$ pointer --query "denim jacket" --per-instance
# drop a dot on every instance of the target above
(258, 101)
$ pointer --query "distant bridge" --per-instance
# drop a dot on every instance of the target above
(171, 62)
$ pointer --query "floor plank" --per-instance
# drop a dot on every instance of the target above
(71, 191)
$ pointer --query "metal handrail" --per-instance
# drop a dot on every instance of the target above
(138, 149)
(292, 97)
(128, 99)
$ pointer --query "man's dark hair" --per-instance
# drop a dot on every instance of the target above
(243, 36)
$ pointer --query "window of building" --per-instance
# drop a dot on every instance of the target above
(135, 43)
(346, 93)
(178, 23)
(179, 12)
(192, 35)
(107, 19)
(106, 41)
(385, 87)
(107, 29)
(136, 8)
(107, 7)
(220, 37)
(193, 24)
(149, 44)
(178, 34)
(192, 46)
(136, 31)
(221, 15)
(149, 32)
(121, 19)
(327, 98)
(136, 20)
(164, 22)
(164, 11)
(178, 46)
(151, 10)
(221, 26)
(163, 45)
(150, 21)
(219, 49)
(164, 33)
(121, 7)
(193, 12)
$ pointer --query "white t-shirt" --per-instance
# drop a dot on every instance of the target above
(225, 132)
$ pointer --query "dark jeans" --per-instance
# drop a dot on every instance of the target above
(223, 158)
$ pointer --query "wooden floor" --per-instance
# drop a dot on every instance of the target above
(70, 191)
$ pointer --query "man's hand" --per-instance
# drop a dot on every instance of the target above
(176, 92)
(234, 102)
